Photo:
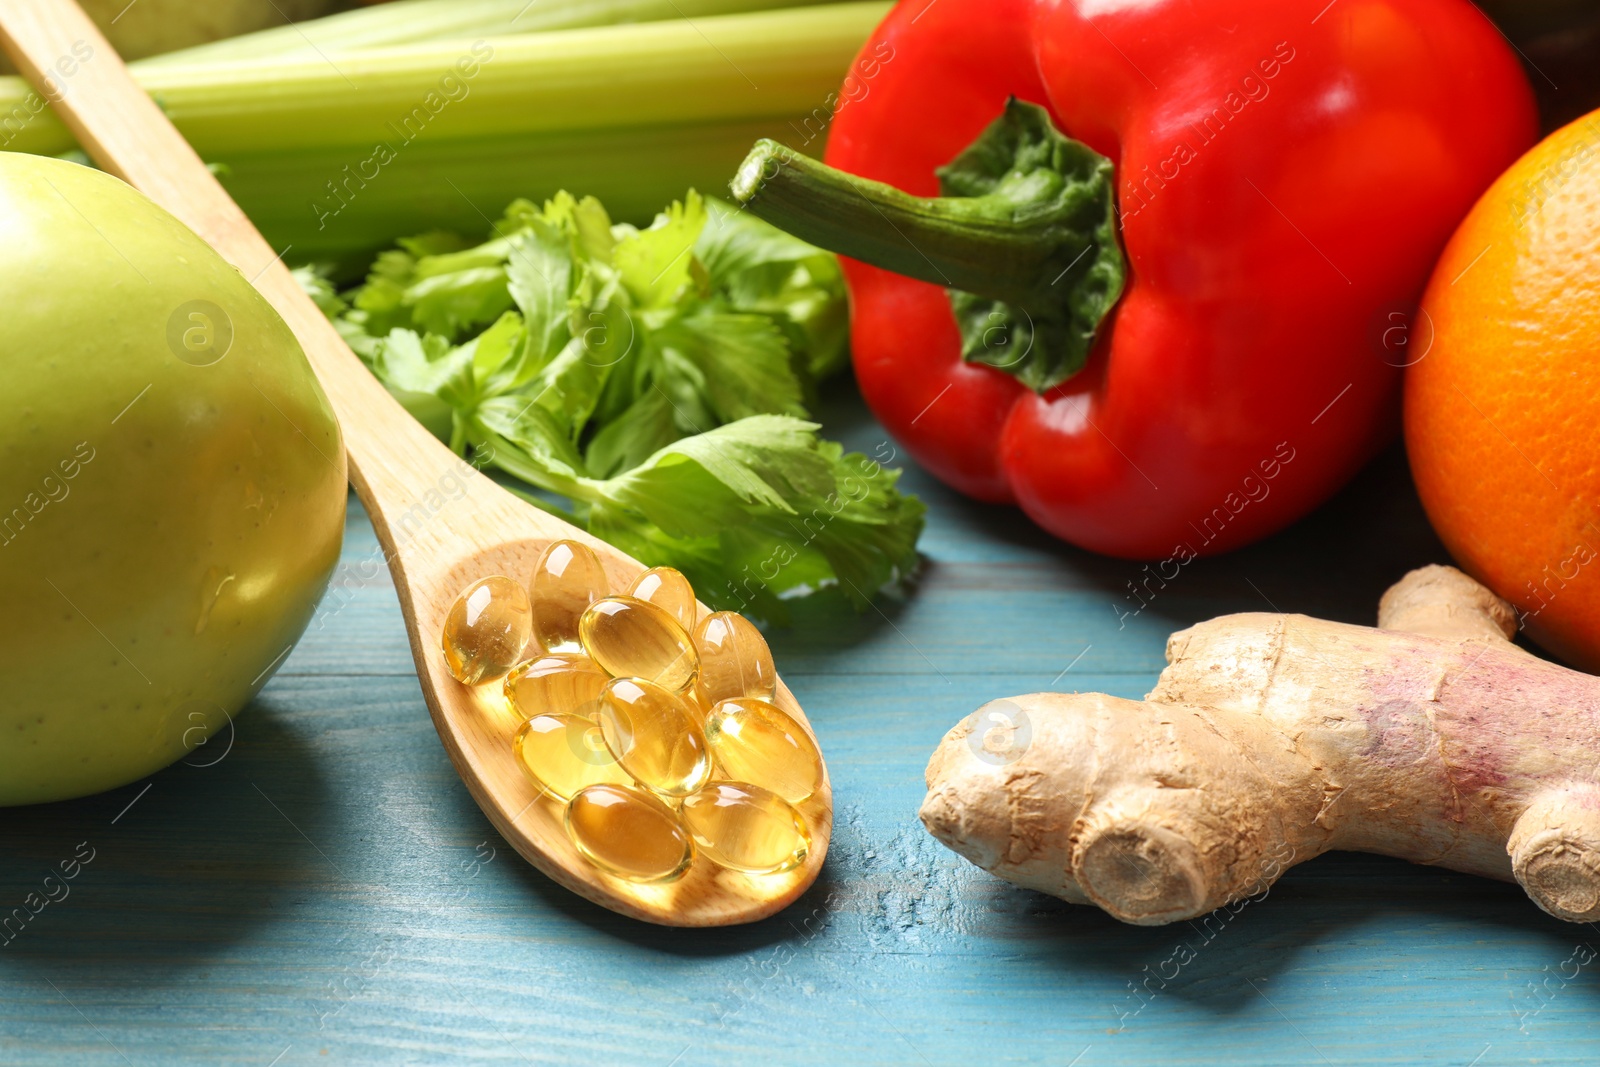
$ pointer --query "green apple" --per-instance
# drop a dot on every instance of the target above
(172, 485)
(138, 28)
(155, 26)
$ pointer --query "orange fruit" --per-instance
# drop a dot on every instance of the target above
(1502, 413)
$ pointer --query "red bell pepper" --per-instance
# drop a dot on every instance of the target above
(1182, 330)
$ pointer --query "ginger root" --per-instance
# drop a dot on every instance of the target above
(1271, 739)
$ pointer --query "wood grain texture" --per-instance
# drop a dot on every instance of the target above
(440, 524)
(318, 894)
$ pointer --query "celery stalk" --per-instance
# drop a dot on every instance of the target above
(721, 68)
(461, 186)
(419, 21)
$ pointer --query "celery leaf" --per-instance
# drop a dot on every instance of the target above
(655, 379)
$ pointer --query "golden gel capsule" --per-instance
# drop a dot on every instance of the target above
(555, 683)
(486, 630)
(566, 580)
(629, 833)
(630, 638)
(746, 827)
(668, 589)
(754, 741)
(562, 754)
(655, 735)
(734, 660)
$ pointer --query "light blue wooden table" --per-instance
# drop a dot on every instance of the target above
(326, 892)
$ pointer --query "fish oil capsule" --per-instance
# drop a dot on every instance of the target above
(566, 580)
(747, 828)
(563, 753)
(555, 683)
(655, 735)
(734, 660)
(754, 741)
(486, 630)
(630, 638)
(668, 589)
(629, 833)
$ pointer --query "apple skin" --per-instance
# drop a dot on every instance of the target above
(172, 486)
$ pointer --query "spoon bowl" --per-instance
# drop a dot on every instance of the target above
(477, 724)
(441, 523)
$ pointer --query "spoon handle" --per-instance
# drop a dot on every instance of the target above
(393, 460)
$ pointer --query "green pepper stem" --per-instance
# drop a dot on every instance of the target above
(944, 240)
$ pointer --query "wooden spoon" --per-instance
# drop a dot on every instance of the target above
(441, 523)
